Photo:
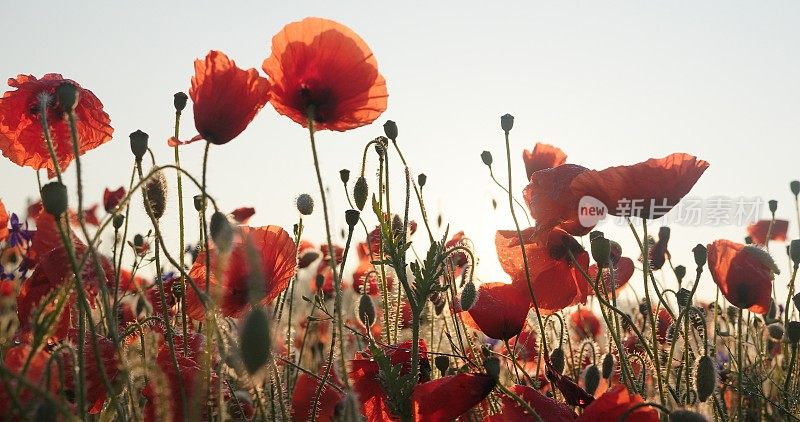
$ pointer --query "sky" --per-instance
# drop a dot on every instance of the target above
(610, 83)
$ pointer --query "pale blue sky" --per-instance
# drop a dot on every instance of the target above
(609, 82)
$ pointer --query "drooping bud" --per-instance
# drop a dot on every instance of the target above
(54, 198)
(506, 122)
(360, 193)
(179, 101)
(601, 250)
(254, 340)
(793, 332)
(139, 142)
(351, 217)
(700, 255)
(608, 365)
(67, 95)
(795, 187)
(469, 295)
(486, 157)
(344, 175)
(422, 179)
(155, 190)
(305, 204)
(557, 359)
(118, 220)
(442, 363)
(390, 129)
(705, 377)
(591, 379)
(366, 311)
(773, 205)
(492, 367)
(221, 231)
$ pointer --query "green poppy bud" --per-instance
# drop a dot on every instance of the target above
(469, 295)
(179, 101)
(221, 231)
(366, 311)
(254, 340)
(360, 193)
(705, 377)
(54, 198)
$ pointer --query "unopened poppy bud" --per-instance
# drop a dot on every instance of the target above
(319, 281)
(421, 179)
(557, 359)
(773, 205)
(686, 416)
(700, 255)
(608, 365)
(179, 101)
(344, 175)
(775, 330)
(390, 129)
(155, 190)
(486, 157)
(118, 220)
(469, 295)
(366, 311)
(199, 202)
(591, 379)
(601, 251)
(794, 251)
(795, 187)
(360, 193)
(683, 296)
(506, 122)
(680, 273)
(305, 204)
(351, 217)
(138, 240)
(492, 367)
(221, 231)
(254, 340)
(139, 142)
(793, 332)
(705, 377)
(54, 198)
(442, 363)
(67, 95)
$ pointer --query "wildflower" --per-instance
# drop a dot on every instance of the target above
(21, 135)
(501, 310)
(758, 231)
(338, 91)
(112, 198)
(552, 201)
(614, 403)
(304, 394)
(447, 398)
(542, 157)
(744, 274)
(544, 406)
(585, 323)
(242, 215)
(3, 222)
(95, 388)
(15, 360)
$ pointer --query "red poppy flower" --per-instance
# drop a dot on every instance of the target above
(226, 98)
(526, 345)
(15, 360)
(649, 189)
(366, 273)
(556, 282)
(21, 136)
(242, 215)
(364, 372)
(47, 236)
(3, 222)
(112, 198)
(547, 408)
(574, 395)
(542, 157)
(553, 202)
(321, 67)
(758, 231)
(130, 283)
(744, 274)
(95, 388)
(303, 398)
(275, 249)
(447, 398)
(622, 274)
(501, 309)
(614, 403)
(90, 215)
(585, 323)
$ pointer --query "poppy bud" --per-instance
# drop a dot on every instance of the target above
(305, 204)
(390, 129)
(705, 377)
(733, 313)
(421, 179)
(796, 300)
(773, 205)
(795, 187)
(486, 157)
(138, 240)
(684, 296)
(366, 311)
(748, 240)
(492, 367)
(139, 141)
(680, 273)
(506, 122)
(254, 340)
(557, 359)
(199, 202)
(117, 220)
(351, 217)
(700, 255)
(319, 281)
(686, 416)
(156, 194)
(469, 295)
(775, 330)
(54, 198)
(442, 362)
(344, 175)
(67, 95)
(179, 101)
(177, 290)
(794, 251)
(591, 379)
(608, 365)
(221, 231)
(793, 332)
(601, 250)
(360, 193)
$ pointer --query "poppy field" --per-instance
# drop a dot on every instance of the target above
(387, 320)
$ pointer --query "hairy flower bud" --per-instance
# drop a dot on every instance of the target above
(366, 311)
(705, 377)
(179, 101)
(305, 204)
(506, 122)
(67, 95)
(390, 129)
(221, 231)
(254, 340)
(155, 193)
(54, 198)
(360, 193)
(139, 142)
(591, 379)
(558, 360)
(469, 295)
(608, 365)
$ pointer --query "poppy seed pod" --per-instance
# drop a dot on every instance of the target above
(366, 311)
(305, 204)
(608, 365)
(591, 379)
(138, 240)
(773, 205)
(492, 367)
(254, 340)
(422, 179)
(705, 377)
(601, 250)
(179, 101)
(344, 175)
(775, 330)
(155, 190)
(139, 142)
(700, 255)
(557, 359)
(507, 122)
(469, 295)
(680, 273)
(686, 416)
(199, 202)
(54, 198)
(390, 129)
(67, 95)
(794, 251)
(486, 157)
(351, 217)
(118, 220)
(360, 193)
(795, 187)
(177, 290)
(221, 231)
(442, 363)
